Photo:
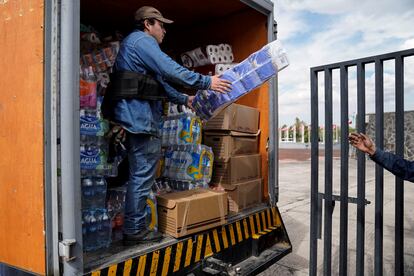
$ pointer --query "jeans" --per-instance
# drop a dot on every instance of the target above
(144, 152)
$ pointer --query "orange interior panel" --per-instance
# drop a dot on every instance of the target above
(250, 34)
(22, 239)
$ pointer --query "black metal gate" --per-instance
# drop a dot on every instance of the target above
(328, 197)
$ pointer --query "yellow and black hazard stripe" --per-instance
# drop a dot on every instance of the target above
(184, 253)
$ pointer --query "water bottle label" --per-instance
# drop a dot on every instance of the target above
(87, 94)
(92, 125)
(92, 158)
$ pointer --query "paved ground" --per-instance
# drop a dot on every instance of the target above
(294, 204)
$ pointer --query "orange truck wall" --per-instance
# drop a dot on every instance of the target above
(22, 238)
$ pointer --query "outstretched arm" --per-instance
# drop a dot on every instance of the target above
(391, 162)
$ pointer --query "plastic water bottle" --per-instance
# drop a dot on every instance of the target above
(167, 163)
(180, 133)
(207, 165)
(98, 217)
(166, 132)
(151, 218)
(172, 133)
(88, 192)
(87, 89)
(102, 228)
(106, 230)
(100, 192)
(90, 243)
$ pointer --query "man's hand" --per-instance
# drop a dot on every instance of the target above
(220, 85)
(362, 142)
(190, 102)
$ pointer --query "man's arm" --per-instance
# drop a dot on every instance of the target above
(391, 162)
(173, 95)
(161, 64)
(395, 164)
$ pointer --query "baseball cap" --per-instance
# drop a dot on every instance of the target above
(147, 12)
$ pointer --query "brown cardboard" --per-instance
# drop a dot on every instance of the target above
(232, 143)
(235, 117)
(188, 212)
(237, 169)
(243, 195)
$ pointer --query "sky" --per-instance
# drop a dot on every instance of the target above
(316, 32)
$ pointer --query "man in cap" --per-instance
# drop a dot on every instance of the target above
(140, 115)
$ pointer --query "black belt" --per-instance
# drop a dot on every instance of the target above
(130, 85)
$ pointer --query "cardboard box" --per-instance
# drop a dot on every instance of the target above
(243, 195)
(235, 117)
(237, 169)
(188, 212)
(232, 143)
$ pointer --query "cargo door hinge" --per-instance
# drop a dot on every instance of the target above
(65, 249)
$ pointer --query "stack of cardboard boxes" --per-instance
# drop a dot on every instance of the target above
(234, 137)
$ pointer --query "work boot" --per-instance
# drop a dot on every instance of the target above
(142, 237)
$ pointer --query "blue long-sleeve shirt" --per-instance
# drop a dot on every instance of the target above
(140, 52)
(395, 164)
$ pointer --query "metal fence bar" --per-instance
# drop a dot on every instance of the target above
(313, 260)
(361, 172)
(355, 62)
(343, 231)
(327, 248)
(379, 171)
(399, 150)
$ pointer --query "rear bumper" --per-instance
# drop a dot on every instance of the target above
(250, 242)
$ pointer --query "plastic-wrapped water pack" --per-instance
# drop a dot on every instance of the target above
(189, 163)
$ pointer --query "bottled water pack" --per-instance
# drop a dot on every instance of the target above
(96, 229)
(189, 163)
(93, 192)
(181, 129)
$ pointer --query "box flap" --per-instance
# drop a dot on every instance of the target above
(228, 187)
(170, 204)
(244, 134)
(230, 133)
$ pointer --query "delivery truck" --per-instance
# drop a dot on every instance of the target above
(40, 176)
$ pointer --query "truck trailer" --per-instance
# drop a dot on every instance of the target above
(40, 176)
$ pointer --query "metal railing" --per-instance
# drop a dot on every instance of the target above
(329, 198)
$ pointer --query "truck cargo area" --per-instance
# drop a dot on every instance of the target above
(195, 24)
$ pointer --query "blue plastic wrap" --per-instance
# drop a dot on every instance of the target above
(237, 88)
(245, 76)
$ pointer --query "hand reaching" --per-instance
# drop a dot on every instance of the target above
(362, 142)
(220, 85)
(190, 102)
